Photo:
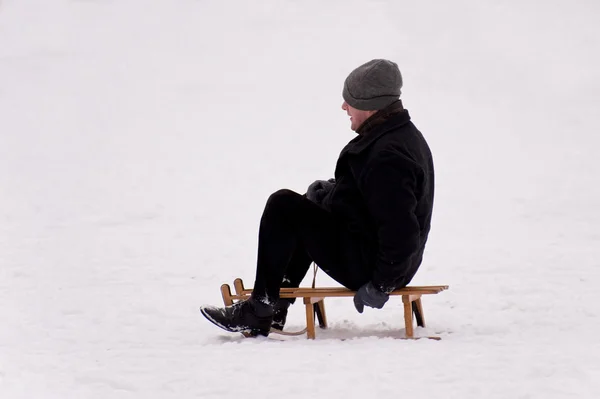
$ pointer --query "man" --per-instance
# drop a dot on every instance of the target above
(367, 228)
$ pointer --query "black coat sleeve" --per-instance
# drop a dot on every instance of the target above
(389, 186)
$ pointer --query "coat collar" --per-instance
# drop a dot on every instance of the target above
(377, 125)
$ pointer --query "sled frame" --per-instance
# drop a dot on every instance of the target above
(314, 303)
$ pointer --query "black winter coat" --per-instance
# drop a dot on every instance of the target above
(384, 196)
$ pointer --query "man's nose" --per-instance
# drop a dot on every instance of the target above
(344, 105)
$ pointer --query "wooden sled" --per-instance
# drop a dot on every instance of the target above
(314, 302)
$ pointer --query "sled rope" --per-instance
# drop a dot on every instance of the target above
(302, 332)
(289, 333)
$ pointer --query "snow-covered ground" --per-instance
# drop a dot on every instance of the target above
(139, 140)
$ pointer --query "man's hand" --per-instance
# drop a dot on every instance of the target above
(319, 189)
(370, 296)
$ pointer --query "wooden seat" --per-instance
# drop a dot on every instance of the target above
(314, 302)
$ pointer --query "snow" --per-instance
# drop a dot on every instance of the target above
(139, 141)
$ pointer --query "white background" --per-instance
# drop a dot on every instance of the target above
(139, 141)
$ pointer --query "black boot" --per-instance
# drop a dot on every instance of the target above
(280, 314)
(249, 317)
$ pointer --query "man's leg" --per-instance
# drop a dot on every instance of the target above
(293, 233)
(297, 268)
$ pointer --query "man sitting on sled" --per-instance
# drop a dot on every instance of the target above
(367, 228)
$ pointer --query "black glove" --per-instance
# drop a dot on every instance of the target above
(317, 191)
(370, 296)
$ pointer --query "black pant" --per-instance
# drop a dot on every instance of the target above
(294, 232)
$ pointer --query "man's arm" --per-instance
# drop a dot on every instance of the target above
(389, 187)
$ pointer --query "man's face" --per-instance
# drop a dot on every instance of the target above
(357, 116)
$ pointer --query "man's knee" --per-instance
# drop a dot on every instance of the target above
(282, 198)
(284, 205)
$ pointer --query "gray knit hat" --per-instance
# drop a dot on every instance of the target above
(373, 86)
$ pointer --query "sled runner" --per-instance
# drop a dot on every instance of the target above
(314, 303)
